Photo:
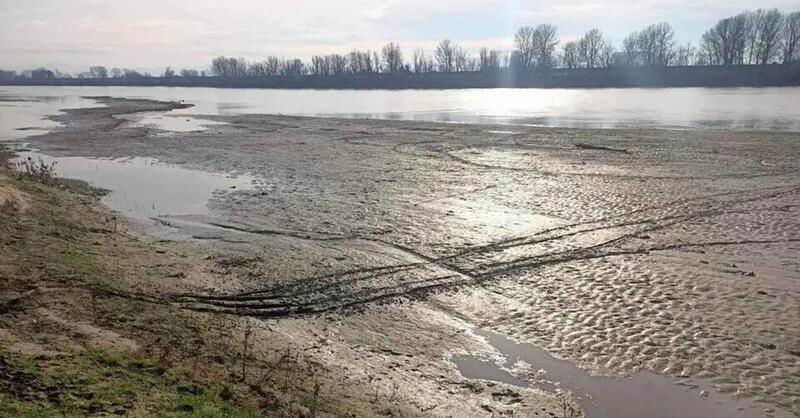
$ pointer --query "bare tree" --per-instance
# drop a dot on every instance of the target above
(701, 57)
(421, 63)
(229, 67)
(338, 64)
(768, 35)
(630, 49)
(791, 37)
(168, 73)
(361, 62)
(460, 59)
(570, 57)
(656, 45)
(544, 40)
(392, 57)
(272, 66)
(753, 22)
(473, 64)
(189, 73)
(129, 74)
(589, 48)
(376, 62)
(356, 62)
(652, 46)
(664, 44)
(607, 55)
(333, 64)
(726, 42)
(116, 73)
(98, 71)
(320, 65)
(292, 68)
(685, 55)
(524, 41)
(445, 56)
(258, 69)
(741, 28)
(488, 60)
(711, 47)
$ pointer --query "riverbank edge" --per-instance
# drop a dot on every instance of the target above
(84, 332)
(614, 77)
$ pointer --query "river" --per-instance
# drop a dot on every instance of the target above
(671, 108)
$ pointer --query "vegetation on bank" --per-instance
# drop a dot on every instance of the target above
(62, 352)
(84, 329)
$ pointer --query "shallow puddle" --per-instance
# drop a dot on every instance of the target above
(643, 394)
(144, 188)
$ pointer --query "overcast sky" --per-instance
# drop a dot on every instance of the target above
(150, 34)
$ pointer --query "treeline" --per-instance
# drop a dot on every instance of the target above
(758, 37)
(95, 72)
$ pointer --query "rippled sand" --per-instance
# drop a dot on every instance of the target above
(621, 250)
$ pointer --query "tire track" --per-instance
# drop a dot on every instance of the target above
(359, 287)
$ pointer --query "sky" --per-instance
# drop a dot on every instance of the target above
(72, 35)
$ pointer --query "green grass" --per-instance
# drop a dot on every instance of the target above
(94, 382)
(52, 243)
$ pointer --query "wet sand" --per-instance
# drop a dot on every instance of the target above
(672, 252)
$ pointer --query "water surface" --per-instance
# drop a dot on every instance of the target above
(23, 111)
(144, 188)
(731, 108)
(643, 394)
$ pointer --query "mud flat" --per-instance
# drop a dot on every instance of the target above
(378, 246)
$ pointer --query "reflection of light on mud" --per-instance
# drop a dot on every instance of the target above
(483, 218)
(143, 188)
(168, 121)
(502, 132)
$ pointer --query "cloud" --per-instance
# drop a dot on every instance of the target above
(150, 33)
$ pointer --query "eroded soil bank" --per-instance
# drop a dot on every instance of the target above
(371, 249)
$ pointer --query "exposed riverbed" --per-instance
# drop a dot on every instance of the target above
(664, 255)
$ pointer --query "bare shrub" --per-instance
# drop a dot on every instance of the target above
(37, 169)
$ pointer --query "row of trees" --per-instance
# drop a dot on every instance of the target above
(99, 72)
(751, 37)
(758, 37)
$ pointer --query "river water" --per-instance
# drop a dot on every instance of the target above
(729, 108)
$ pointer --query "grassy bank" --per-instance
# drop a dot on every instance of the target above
(66, 345)
(85, 328)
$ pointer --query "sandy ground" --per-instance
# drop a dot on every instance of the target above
(621, 250)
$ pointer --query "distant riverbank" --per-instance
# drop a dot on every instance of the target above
(690, 76)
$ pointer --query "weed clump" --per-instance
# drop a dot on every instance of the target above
(37, 169)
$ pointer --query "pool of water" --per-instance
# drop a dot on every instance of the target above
(144, 188)
(642, 394)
